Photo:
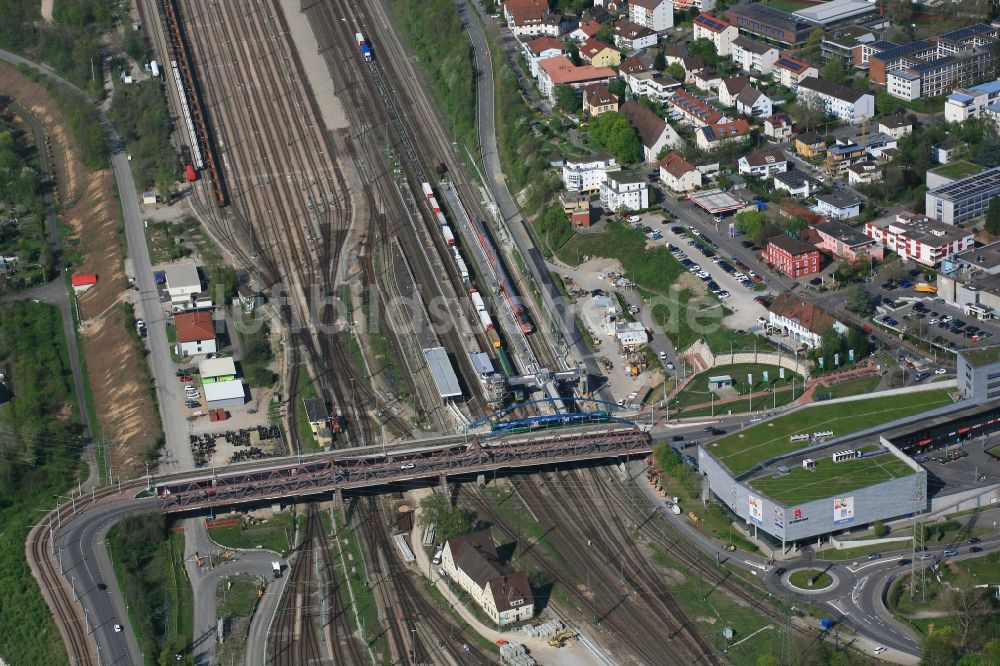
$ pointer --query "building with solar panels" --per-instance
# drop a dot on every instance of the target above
(771, 24)
(964, 199)
(718, 31)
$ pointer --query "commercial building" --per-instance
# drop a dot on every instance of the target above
(220, 384)
(763, 163)
(656, 15)
(846, 242)
(753, 56)
(770, 23)
(792, 257)
(678, 174)
(835, 12)
(624, 190)
(654, 132)
(802, 321)
(631, 335)
(597, 99)
(918, 238)
(560, 70)
(183, 282)
(841, 102)
(979, 373)
(694, 110)
(839, 206)
(849, 45)
(472, 562)
(718, 31)
(195, 333)
(586, 175)
(442, 372)
(967, 103)
(965, 199)
(928, 68)
(711, 137)
(788, 71)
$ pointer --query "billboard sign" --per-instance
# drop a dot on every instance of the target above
(779, 518)
(843, 510)
(756, 509)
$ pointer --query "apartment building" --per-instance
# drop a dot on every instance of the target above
(753, 103)
(625, 190)
(919, 238)
(763, 163)
(965, 199)
(711, 137)
(718, 31)
(694, 110)
(560, 70)
(792, 257)
(657, 15)
(841, 102)
(967, 103)
(678, 174)
(788, 71)
(587, 175)
(597, 99)
(753, 56)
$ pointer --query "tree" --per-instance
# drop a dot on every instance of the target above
(659, 60)
(937, 648)
(988, 151)
(705, 49)
(750, 222)
(993, 217)
(809, 110)
(880, 529)
(450, 521)
(222, 284)
(813, 41)
(612, 132)
(676, 72)
(967, 605)
(860, 300)
(566, 99)
(769, 230)
(834, 71)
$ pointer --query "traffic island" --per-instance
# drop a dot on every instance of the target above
(810, 580)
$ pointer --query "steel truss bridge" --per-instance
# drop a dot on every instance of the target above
(270, 480)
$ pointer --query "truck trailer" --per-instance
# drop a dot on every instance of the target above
(366, 50)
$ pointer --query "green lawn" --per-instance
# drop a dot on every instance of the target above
(983, 570)
(305, 391)
(272, 535)
(855, 387)
(697, 391)
(237, 595)
(802, 577)
(956, 170)
(741, 451)
(829, 478)
(789, 5)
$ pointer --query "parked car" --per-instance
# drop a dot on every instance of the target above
(941, 371)
(186, 378)
(974, 540)
(975, 549)
(875, 556)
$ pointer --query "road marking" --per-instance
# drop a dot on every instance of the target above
(873, 563)
(839, 609)
(856, 592)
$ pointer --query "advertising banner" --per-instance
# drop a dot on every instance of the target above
(843, 510)
(781, 373)
(756, 510)
(779, 518)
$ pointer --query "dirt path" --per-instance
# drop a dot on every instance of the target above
(47, 10)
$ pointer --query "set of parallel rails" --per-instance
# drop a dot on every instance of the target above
(294, 640)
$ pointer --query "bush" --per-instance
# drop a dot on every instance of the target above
(880, 529)
(451, 521)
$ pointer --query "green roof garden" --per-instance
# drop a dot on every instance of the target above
(830, 479)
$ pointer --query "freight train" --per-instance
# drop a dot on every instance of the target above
(500, 271)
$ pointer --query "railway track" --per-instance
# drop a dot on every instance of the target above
(295, 640)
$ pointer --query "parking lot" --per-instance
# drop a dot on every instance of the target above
(936, 322)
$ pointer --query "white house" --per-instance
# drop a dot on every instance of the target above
(182, 282)
(778, 126)
(718, 31)
(195, 333)
(967, 103)
(896, 126)
(764, 163)
(753, 103)
(634, 37)
(788, 71)
(730, 89)
(585, 31)
(623, 190)
(863, 174)
(587, 175)
(678, 174)
(839, 206)
(753, 56)
(540, 48)
(707, 80)
(796, 183)
(802, 320)
(654, 132)
(841, 102)
(657, 15)
(652, 84)
(472, 562)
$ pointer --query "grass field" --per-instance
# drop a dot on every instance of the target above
(855, 387)
(697, 391)
(819, 579)
(272, 535)
(741, 451)
(829, 478)
(237, 595)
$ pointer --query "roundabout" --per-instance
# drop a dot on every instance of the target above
(811, 580)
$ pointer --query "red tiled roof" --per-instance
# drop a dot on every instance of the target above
(590, 27)
(808, 314)
(597, 94)
(792, 64)
(765, 157)
(779, 119)
(561, 70)
(540, 44)
(628, 30)
(676, 165)
(591, 47)
(632, 66)
(790, 245)
(84, 279)
(721, 131)
(709, 22)
(695, 106)
(194, 326)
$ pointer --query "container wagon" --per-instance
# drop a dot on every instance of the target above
(489, 247)
(448, 236)
(478, 301)
(428, 190)
(366, 50)
(493, 338)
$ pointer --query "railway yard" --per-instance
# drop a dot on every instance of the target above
(414, 339)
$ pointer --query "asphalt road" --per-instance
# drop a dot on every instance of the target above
(511, 212)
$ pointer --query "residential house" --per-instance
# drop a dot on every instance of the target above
(319, 420)
(587, 174)
(633, 37)
(796, 183)
(694, 110)
(839, 205)
(763, 163)
(599, 54)
(945, 151)
(707, 80)
(718, 31)
(654, 133)
(700, 5)
(788, 71)
(919, 238)
(513, 9)
(863, 174)
(730, 89)
(560, 70)
(472, 562)
(792, 257)
(896, 126)
(195, 333)
(778, 126)
(843, 154)
(692, 65)
(597, 99)
(841, 102)
(846, 242)
(753, 56)
(802, 320)
(810, 144)
(753, 103)
(540, 48)
(632, 66)
(678, 174)
(656, 15)
(528, 24)
(711, 137)
(585, 31)
(674, 53)
(183, 282)
(625, 190)
(653, 84)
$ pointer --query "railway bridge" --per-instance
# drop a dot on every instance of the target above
(268, 480)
